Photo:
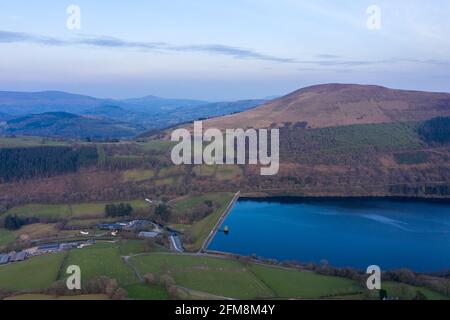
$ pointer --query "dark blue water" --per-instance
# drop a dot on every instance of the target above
(346, 232)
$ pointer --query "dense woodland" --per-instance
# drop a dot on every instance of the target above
(25, 163)
(359, 160)
(436, 130)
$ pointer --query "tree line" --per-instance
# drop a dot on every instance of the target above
(25, 163)
(118, 210)
(436, 130)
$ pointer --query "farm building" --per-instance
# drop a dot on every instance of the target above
(19, 256)
(49, 248)
(4, 258)
(148, 234)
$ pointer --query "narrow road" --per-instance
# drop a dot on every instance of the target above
(175, 243)
(200, 294)
(127, 261)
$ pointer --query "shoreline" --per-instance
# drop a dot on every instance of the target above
(300, 198)
(219, 222)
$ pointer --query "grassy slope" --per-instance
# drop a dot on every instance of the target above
(41, 297)
(217, 276)
(36, 273)
(78, 210)
(202, 228)
(103, 259)
(23, 142)
(408, 291)
(142, 291)
(306, 285)
(138, 175)
(6, 237)
(41, 210)
(222, 277)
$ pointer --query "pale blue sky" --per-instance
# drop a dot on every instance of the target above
(221, 49)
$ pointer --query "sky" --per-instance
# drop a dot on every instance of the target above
(222, 49)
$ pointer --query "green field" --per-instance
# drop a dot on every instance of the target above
(103, 259)
(88, 223)
(219, 172)
(225, 173)
(92, 210)
(220, 277)
(209, 277)
(171, 171)
(142, 291)
(36, 273)
(201, 229)
(408, 292)
(138, 175)
(24, 141)
(6, 237)
(305, 285)
(231, 278)
(41, 297)
(41, 210)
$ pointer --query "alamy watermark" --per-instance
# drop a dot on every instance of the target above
(374, 19)
(234, 146)
(74, 19)
(74, 280)
(374, 280)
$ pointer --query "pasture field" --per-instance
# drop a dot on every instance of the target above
(55, 211)
(37, 230)
(102, 259)
(206, 275)
(29, 141)
(220, 277)
(88, 223)
(204, 170)
(408, 292)
(91, 210)
(138, 175)
(225, 173)
(6, 237)
(304, 285)
(41, 297)
(36, 273)
(168, 181)
(141, 291)
(218, 172)
(97, 209)
(171, 171)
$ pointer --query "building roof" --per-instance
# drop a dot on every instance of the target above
(4, 258)
(148, 234)
(20, 256)
(52, 246)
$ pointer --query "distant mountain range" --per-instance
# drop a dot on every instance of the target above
(332, 105)
(68, 125)
(36, 111)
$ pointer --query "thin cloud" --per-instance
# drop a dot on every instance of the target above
(321, 60)
(109, 42)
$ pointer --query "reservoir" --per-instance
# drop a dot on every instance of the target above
(390, 233)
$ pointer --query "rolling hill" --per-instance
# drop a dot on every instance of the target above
(68, 125)
(332, 105)
(149, 112)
